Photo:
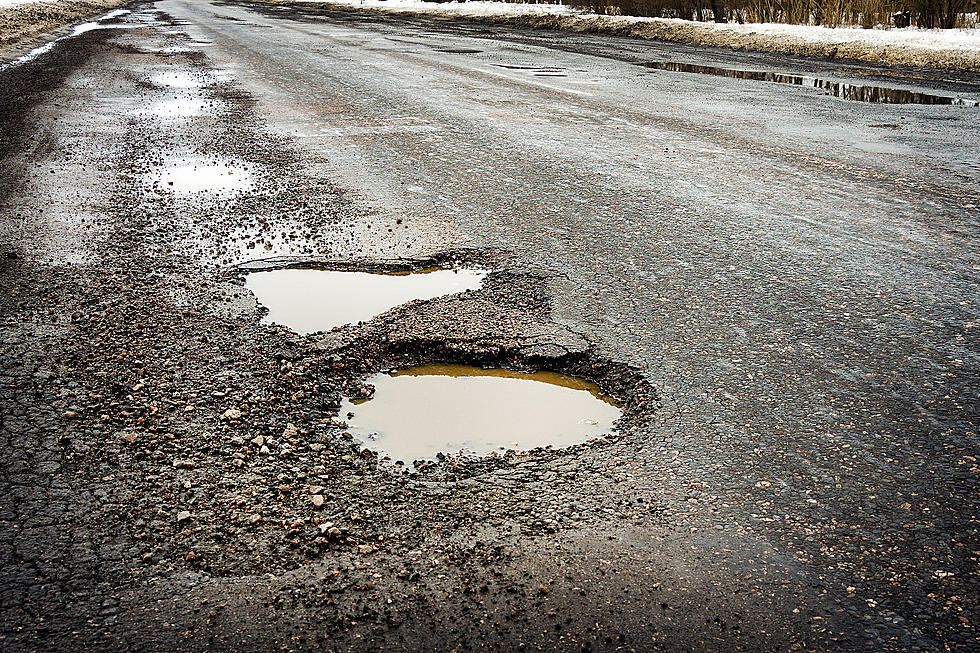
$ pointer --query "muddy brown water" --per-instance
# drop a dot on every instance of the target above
(856, 92)
(419, 412)
(310, 300)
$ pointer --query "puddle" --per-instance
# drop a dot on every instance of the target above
(308, 300)
(217, 178)
(421, 411)
(856, 92)
(537, 71)
(179, 108)
(177, 79)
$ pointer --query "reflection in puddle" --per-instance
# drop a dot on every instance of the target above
(219, 178)
(419, 412)
(857, 92)
(308, 300)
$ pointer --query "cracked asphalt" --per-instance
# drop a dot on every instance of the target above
(779, 285)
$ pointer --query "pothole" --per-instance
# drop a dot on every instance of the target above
(177, 79)
(181, 107)
(187, 177)
(309, 300)
(856, 92)
(421, 412)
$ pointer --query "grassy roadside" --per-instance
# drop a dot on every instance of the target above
(23, 26)
(695, 34)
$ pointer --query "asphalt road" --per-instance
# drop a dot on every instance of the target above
(781, 286)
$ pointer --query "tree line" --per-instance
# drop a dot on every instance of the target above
(929, 14)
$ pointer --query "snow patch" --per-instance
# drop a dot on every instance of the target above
(962, 40)
(457, 8)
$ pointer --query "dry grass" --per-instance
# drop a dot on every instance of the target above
(22, 24)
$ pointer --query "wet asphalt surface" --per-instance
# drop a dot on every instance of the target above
(780, 286)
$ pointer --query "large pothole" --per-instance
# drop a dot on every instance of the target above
(423, 412)
(310, 300)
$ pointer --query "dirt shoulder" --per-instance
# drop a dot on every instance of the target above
(24, 26)
(705, 34)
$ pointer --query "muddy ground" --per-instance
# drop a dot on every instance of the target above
(139, 388)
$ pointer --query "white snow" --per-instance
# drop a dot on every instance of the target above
(928, 39)
(455, 8)
(911, 37)
(78, 29)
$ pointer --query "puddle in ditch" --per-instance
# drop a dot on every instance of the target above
(188, 177)
(419, 412)
(310, 300)
(856, 92)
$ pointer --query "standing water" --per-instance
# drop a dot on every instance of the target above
(307, 300)
(421, 411)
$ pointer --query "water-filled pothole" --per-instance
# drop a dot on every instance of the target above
(179, 107)
(220, 178)
(856, 92)
(177, 79)
(309, 300)
(421, 411)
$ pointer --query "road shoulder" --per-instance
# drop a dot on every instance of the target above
(26, 26)
(873, 46)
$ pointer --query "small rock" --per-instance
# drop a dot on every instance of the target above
(366, 549)
(290, 431)
(70, 414)
(183, 515)
(231, 413)
(258, 440)
(318, 500)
